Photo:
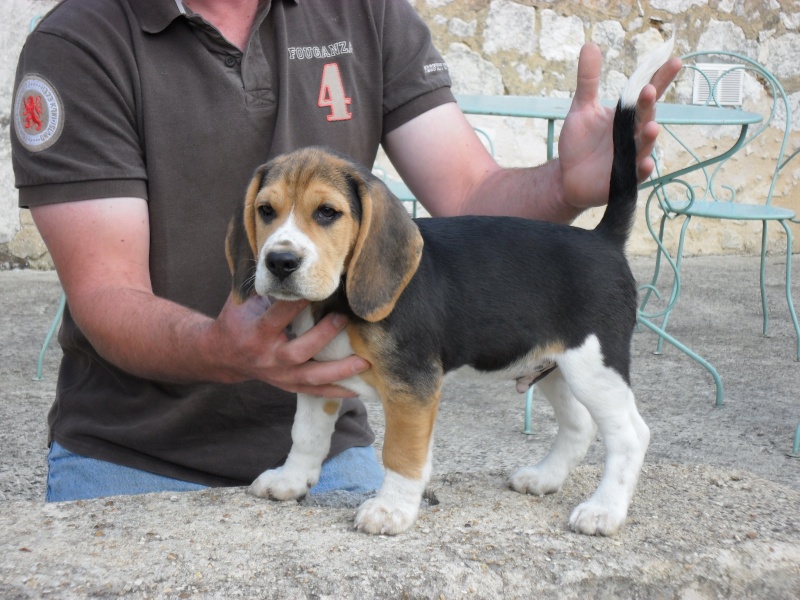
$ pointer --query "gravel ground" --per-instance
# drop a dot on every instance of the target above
(717, 512)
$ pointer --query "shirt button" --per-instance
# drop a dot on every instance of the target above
(230, 61)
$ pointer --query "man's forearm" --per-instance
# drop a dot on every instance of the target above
(533, 193)
(151, 337)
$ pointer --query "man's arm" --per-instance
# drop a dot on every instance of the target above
(445, 165)
(101, 251)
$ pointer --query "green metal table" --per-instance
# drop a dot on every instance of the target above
(556, 109)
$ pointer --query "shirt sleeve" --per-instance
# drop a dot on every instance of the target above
(74, 123)
(416, 78)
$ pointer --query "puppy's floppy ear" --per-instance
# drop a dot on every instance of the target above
(240, 242)
(386, 253)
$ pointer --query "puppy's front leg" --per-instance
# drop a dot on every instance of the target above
(407, 449)
(312, 430)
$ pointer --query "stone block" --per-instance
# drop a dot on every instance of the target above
(471, 73)
(510, 27)
(562, 37)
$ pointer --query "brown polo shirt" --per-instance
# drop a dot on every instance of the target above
(143, 98)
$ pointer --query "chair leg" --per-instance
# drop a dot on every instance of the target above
(789, 302)
(718, 401)
(796, 446)
(657, 268)
(763, 272)
(56, 320)
(678, 261)
(528, 411)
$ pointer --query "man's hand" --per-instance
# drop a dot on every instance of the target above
(585, 146)
(255, 335)
(101, 251)
(444, 163)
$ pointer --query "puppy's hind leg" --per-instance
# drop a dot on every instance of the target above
(312, 430)
(576, 430)
(610, 401)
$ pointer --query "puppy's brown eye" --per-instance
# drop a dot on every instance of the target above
(266, 212)
(326, 215)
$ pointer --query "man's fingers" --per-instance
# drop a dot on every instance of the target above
(644, 168)
(646, 105)
(317, 377)
(590, 63)
(326, 391)
(646, 139)
(255, 305)
(281, 314)
(665, 75)
(323, 373)
(306, 346)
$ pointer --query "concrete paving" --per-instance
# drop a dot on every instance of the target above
(716, 513)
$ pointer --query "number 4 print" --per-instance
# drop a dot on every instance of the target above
(331, 94)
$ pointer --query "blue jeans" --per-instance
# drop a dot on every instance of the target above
(74, 477)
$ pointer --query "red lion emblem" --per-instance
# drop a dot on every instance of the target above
(32, 111)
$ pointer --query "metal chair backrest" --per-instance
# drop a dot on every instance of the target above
(715, 90)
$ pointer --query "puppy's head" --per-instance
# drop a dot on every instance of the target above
(311, 218)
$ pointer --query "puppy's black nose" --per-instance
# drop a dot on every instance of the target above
(282, 264)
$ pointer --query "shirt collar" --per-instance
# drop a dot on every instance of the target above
(156, 15)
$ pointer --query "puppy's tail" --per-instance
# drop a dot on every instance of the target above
(618, 219)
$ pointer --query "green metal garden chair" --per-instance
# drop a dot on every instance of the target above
(714, 196)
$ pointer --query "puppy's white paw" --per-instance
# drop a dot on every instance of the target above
(381, 517)
(284, 484)
(597, 518)
(536, 480)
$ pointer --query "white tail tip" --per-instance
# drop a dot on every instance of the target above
(645, 71)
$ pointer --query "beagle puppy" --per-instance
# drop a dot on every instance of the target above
(508, 297)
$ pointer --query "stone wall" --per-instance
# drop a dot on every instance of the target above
(20, 244)
(531, 47)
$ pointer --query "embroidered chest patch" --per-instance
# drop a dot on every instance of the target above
(38, 113)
